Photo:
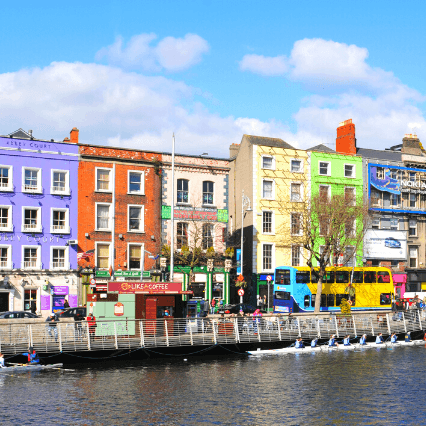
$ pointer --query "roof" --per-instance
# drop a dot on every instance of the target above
(263, 140)
(20, 134)
(321, 148)
(379, 154)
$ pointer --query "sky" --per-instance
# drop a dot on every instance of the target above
(132, 73)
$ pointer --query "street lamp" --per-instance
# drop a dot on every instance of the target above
(245, 202)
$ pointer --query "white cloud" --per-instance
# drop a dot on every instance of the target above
(171, 54)
(264, 65)
(112, 106)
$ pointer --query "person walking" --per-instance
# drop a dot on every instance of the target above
(265, 303)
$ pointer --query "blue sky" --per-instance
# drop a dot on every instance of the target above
(132, 73)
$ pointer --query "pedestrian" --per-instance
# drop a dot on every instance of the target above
(206, 307)
(265, 304)
(52, 328)
(78, 326)
(33, 307)
(212, 306)
(91, 321)
(259, 302)
(66, 304)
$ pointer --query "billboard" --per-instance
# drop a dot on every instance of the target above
(384, 244)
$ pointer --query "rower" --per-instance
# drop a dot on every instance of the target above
(299, 343)
(394, 338)
(363, 340)
(2, 361)
(379, 339)
(346, 341)
(314, 342)
(332, 341)
(408, 337)
(32, 356)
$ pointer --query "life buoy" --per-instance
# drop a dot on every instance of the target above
(350, 302)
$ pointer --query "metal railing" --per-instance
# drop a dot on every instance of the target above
(17, 335)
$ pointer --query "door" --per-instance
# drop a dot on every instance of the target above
(4, 302)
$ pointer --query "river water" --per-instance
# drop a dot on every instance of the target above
(370, 387)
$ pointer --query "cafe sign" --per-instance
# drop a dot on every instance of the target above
(145, 288)
(189, 213)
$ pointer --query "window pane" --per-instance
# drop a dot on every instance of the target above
(358, 277)
(342, 277)
(207, 236)
(135, 218)
(135, 257)
(135, 182)
(283, 276)
(208, 192)
(182, 234)
(103, 255)
(267, 256)
(267, 162)
(103, 180)
(267, 222)
(267, 189)
(103, 217)
(323, 168)
(296, 165)
(182, 191)
(4, 177)
(59, 181)
(369, 277)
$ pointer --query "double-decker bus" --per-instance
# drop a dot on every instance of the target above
(295, 288)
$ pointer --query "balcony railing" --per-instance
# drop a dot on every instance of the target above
(30, 264)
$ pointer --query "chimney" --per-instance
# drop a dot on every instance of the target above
(346, 141)
(74, 135)
(411, 145)
(233, 150)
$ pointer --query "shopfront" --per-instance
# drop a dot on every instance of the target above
(399, 281)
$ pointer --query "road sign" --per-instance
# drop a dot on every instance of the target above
(240, 292)
(92, 281)
(268, 278)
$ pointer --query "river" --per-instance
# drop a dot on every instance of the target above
(371, 387)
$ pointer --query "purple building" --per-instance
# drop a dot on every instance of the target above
(38, 222)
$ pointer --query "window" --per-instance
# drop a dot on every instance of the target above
(103, 180)
(350, 196)
(267, 222)
(30, 297)
(412, 176)
(208, 193)
(369, 277)
(413, 200)
(350, 227)
(59, 221)
(207, 236)
(6, 218)
(296, 192)
(342, 277)
(31, 219)
(395, 200)
(60, 182)
(59, 258)
(296, 223)
(103, 217)
(135, 256)
(182, 191)
(349, 170)
(383, 277)
(385, 222)
(268, 189)
(6, 178)
(303, 277)
(136, 182)
(324, 168)
(295, 255)
(330, 300)
(31, 257)
(412, 227)
(282, 276)
(412, 253)
(102, 256)
(282, 295)
(136, 222)
(296, 166)
(267, 257)
(324, 193)
(385, 299)
(31, 180)
(268, 162)
(5, 257)
(181, 235)
(375, 223)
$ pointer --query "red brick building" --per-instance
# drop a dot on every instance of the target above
(119, 212)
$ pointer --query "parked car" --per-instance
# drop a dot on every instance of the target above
(71, 312)
(17, 314)
(234, 309)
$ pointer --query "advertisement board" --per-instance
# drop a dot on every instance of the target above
(384, 244)
(146, 288)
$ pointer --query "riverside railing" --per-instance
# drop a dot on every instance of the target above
(16, 335)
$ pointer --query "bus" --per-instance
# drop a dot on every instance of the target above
(295, 288)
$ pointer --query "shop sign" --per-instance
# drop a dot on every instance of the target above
(102, 274)
(132, 274)
(60, 290)
(145, 288)
(187, 213)
(118, 309)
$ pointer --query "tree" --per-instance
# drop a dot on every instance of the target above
(331, 230)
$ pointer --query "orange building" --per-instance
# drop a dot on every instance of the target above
(119, 211)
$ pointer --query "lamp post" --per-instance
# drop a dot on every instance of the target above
(245, 202)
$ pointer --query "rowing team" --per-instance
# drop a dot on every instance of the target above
(346, 341)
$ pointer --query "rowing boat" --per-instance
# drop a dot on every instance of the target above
(21, 368)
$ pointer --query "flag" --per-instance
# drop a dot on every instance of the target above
(85, 255)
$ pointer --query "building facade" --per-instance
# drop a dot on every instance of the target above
(119, 214)
(38, 220)
(200, 223)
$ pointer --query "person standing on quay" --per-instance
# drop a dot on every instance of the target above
(213, 304)
(91, 321)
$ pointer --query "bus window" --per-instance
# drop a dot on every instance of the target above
(385, 299)
(303, 277)
(339, 298)
(330, 299)
(282, 295)
(342, 277)
(282, 276)
(314, 296)
(315, 276)
(353, 300)
(358, 277)
(323, 300)
(369, 277)
(306, 300)
(328, 277)
(383, 277)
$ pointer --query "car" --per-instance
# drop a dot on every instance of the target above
(392, 243)
(71, 312)
(17, 314)
(234, 309)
